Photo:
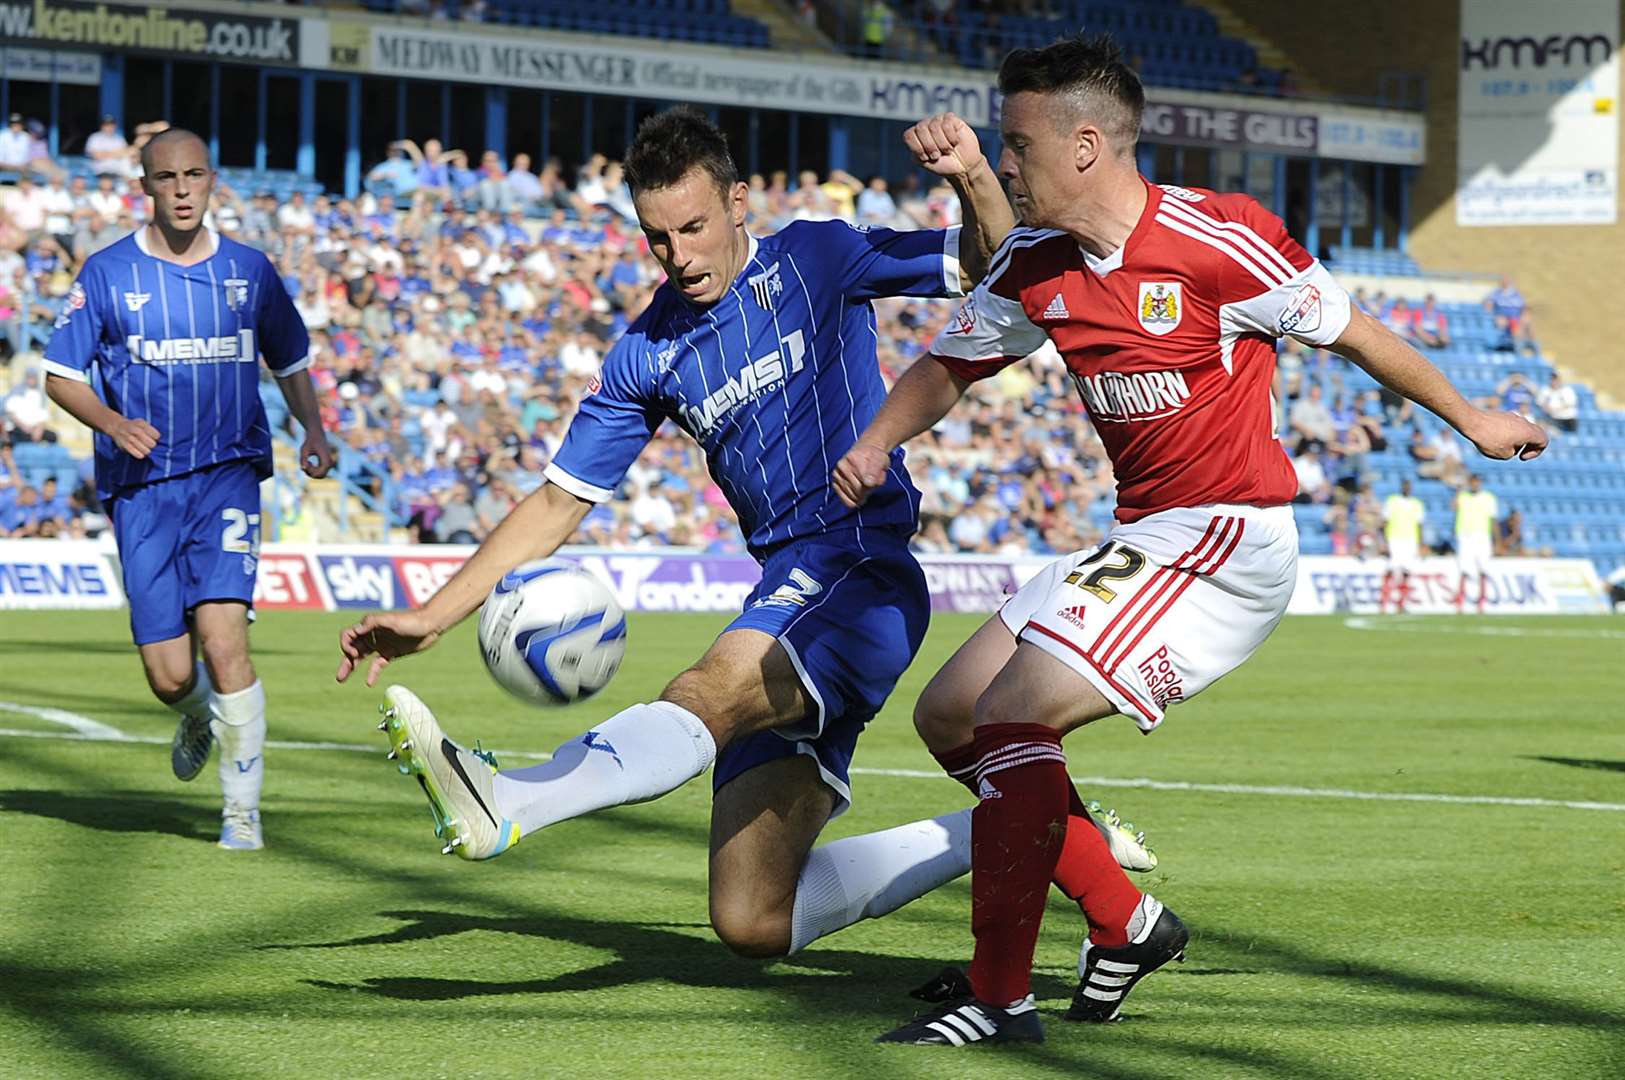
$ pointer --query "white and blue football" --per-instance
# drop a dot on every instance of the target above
(551, 633)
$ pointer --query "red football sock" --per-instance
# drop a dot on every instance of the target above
(1018, 831)
(1087, 872)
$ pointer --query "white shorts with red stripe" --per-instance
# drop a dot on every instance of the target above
(1166, 606)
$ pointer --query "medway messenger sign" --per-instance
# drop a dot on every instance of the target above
(716, 78)
(153, 28)
(699, 74)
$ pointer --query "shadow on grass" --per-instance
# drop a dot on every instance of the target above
(1582, 763)
(645, 952)
(112, 812)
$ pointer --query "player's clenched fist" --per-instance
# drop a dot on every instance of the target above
(134, 436)
(859, 472)
(1503, 435)
(945, 145)
(384, 637)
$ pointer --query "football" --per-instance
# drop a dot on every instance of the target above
(551, 633)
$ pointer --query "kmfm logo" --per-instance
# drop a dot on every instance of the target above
(1589, 50)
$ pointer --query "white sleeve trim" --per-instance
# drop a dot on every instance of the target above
(951, 279)
(54, 368)
(575, 485)
(292, 369)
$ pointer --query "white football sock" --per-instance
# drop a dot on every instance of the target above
(865, 877)
(196, 701)
(239, 723)
(636, 755)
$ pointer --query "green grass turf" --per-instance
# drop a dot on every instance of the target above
(1333, 937)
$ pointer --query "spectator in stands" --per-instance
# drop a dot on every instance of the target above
(1515, 393)
(1509, 534)
(25, 205)
(295, 219)
(59, 208)
(29, 411)
(14, 145)
(1430, 326)
(52, 507)
(1313, 485)
(875, 205)
(1311, 420)
(1561, 404)
(39, 152)
(107, 150)
(396, 175)
(433, 164)
(878, 23)
(524, 188)
(20, 519)
(1400, 319)
(1511, 312)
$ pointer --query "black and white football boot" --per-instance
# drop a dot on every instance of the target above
(1105, 976)
(966, 1020)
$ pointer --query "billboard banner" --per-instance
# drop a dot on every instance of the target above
(39, 65)
(1346, 586)
(190, 33)
(1538, 113)
(893, 91)
(57, 574)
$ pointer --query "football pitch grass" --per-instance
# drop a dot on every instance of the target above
(1336, 824)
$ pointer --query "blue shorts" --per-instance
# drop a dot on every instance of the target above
(851, 620)
(186, 540)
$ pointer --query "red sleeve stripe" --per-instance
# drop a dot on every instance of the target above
(1018, 238)
(975, 370)
(1244, 234)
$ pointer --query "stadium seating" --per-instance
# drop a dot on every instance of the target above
(704, 21)
(1169, 43)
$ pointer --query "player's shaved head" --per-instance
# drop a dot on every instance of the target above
(1087, 76)
(171, 139)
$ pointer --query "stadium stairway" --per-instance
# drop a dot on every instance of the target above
(1232, 25)
(788, 32)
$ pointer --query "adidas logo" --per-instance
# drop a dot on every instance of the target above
(1056, 309)
(985, 790)
(1074, 615)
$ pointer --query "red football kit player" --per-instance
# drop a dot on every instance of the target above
(1165, 304)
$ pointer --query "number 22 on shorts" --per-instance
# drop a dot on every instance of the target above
(1131, 563)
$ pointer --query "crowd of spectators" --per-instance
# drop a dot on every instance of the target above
(460, 306)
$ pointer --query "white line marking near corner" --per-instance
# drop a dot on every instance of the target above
(1403, 625)
(84, 725)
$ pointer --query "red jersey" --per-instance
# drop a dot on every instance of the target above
(1170, 340)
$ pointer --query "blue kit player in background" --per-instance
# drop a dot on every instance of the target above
(157, 349)
(763, 350)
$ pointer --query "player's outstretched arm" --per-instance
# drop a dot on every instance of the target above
(134, 436)
(532, 530)
(946, 145)
(922, 396)
(1395, 364)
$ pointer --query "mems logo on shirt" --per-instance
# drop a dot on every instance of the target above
(753, 380)
(234, 349)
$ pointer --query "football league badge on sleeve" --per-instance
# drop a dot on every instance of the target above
(1161, 305)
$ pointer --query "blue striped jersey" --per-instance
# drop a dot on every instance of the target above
(775, 380)
(179, 347)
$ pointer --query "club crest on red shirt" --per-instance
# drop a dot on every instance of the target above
(1161, 306)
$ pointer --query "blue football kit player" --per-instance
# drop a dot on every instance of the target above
(763, 350)
(157, 349)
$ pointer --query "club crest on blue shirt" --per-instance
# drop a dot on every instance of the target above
(236, 293)
(135, 301)
(766, 286)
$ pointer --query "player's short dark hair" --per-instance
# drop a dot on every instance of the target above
(669, 144)
(1088, 68)
(163, 138)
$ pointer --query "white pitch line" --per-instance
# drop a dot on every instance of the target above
(1144, 783)
(1403, 625)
